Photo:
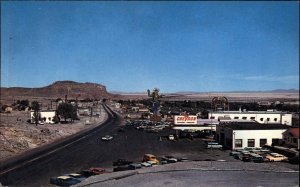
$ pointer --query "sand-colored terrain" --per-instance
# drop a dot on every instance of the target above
(18, 136)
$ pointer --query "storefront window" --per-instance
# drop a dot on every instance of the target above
(251, 143)
(238, 143)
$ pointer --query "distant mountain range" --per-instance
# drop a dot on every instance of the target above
(98, 91)
(194, 92)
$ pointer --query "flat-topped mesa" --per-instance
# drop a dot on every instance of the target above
(60, 89)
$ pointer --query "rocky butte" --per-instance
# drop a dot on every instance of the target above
(58, 90)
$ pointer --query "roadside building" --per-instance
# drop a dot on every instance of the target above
(47, 116)
(192, 123)
(291, 137)
(264, 117)
(238, 135)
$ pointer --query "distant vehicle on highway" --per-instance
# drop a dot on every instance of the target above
(107, 138)
(171, 137)
(64, 181)
(275, 157)
(121, 162)
(213, 145)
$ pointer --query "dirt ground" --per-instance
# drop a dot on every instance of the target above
(18, 136)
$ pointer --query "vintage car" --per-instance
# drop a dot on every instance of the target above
(275, 157)
(64, 181)
(121, 162)
(107, 138)
(150, 157)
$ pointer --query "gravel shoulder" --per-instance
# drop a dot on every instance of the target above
(17, 136)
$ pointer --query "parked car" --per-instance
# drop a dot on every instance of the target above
(150, 157)
(134, 166)
(64, 181)
(107, 138)
(121, 162)
(121, 168)
(77, 176)
(294, 160)
(246, 158)
(183, 159)
(92, 171)
(169, 159)
(153, 163)
(214, 145)
(257, 158)
(146, 164)
(97, 171)
(275, 157)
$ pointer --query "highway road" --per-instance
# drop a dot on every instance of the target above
(36, 168)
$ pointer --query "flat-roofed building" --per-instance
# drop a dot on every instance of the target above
(47, 116)
(264, 117)
(238, 135)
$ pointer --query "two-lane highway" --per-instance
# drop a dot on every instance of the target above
(86, 150)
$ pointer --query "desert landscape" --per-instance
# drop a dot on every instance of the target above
(18, 136)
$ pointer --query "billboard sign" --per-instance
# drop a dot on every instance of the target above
(185, 120)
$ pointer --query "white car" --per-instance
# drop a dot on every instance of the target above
(107, 138)
(146, 164)
(152, 163)
(276, 157)
(214, 145)
(171, 137)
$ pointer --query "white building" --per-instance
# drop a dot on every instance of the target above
(46, 116)
(238, 135)
(265, 117)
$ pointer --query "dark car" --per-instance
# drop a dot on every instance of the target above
(121, 129)
(121, 168)
(122, 162)
(294, 160)
(64, 181)
(246, 158)
(257, 159)
(134, 166)
(169, 159)
(92, 171)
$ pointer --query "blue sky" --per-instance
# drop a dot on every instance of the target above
(133, 46)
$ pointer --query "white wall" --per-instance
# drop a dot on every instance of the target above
(280, 118)
(49, 115)
(257, 135)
